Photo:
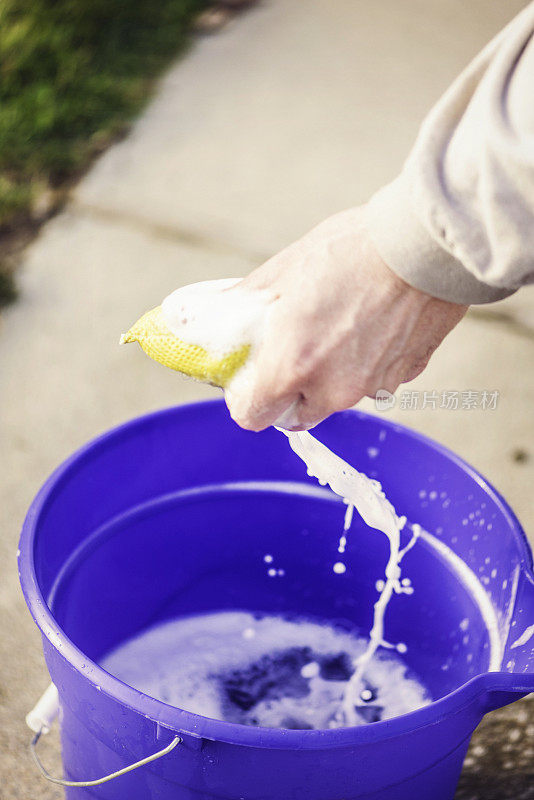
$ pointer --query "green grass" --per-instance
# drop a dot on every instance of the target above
(72, 74)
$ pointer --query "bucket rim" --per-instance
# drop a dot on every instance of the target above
(479, 686)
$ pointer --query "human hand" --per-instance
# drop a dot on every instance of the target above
(340, 325)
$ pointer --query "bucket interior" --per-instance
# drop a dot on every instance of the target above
(144, 527)
(205, 552)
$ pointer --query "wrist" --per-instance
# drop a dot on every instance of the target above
(415, 255)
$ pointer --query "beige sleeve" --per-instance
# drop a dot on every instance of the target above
(458, 222)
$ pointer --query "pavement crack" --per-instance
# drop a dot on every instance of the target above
(504, 318)
(171, 233)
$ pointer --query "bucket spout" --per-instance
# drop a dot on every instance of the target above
(503, 689)
(518, 658)
(517, 676)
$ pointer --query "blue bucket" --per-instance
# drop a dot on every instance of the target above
(171, 514)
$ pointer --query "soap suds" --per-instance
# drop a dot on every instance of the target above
(263, 670)
(210, 316)
(527, 634)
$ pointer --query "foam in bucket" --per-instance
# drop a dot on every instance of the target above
(263, 670)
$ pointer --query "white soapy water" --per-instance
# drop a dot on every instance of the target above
(525, 637)
(339, 568)
(347, 522)
(265, 671)
(366, 495)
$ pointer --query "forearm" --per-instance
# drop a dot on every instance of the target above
(458, 223)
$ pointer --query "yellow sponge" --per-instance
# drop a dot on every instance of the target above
(160, 343)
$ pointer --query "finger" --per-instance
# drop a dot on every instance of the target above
(253, 416)
(308, 412)
(255, 401)
(298, 418)
(264, 277)
(414, 370)
(289, 419)
(321, 399)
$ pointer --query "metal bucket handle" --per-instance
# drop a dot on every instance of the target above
(40, 720)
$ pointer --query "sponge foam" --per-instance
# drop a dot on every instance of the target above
(161, 344)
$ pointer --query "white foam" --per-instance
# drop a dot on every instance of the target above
(220, 316)
(186, 663)
(367, 497)
(525, 637)
(208, 315)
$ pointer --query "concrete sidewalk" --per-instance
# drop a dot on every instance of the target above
(295, 110)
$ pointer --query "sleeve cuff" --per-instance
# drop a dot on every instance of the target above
(414, 255)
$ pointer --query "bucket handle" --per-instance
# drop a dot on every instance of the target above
(45, 711)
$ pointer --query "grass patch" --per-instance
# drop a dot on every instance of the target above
(72, 74)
